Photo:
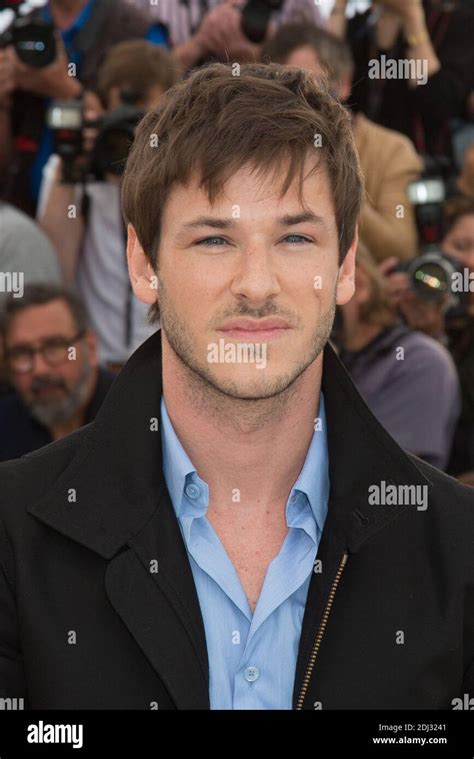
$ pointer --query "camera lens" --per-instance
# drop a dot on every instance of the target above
(431, 276)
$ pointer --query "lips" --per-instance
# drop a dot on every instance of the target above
(255, 325)
(261, 330)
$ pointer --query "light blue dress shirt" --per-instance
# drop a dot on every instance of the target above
(252, 657)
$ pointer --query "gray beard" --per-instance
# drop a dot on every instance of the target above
(54, 414)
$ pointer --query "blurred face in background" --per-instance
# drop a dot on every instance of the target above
(150, 99)
(57, 384)
(306, 58)
(459, 241)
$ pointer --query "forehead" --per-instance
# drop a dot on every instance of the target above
(250, 192)
(304, 57)
(38, 322)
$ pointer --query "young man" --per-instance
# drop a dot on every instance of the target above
(236, 530)
(91, 245)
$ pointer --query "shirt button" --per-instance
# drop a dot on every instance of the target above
(251, 674)
(192, 491)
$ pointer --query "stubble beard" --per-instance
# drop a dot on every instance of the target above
(223, 397)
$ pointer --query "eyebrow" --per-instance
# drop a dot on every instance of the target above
(288, 220)
(41, 341)
(208, 221)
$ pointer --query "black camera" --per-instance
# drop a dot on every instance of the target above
(256, 17)
(431, 273)
(32, 37)
(115, 134)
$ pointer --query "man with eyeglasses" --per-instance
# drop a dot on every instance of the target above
(51, 362)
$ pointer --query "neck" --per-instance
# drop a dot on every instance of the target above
(255, 447)
(61, 430)
(357, 334)
(64, 12)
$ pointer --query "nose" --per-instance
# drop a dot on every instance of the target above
(255, 280)
(39, 366)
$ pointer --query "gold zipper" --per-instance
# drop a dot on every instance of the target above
(320, 633)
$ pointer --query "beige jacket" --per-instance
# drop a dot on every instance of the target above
(389, 162)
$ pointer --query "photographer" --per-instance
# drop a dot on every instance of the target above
(90, 241)
(454, 328)
(84, 30)
(388, 160)
(435, 37)
(223, 498)
(407, 379)
(203, 29)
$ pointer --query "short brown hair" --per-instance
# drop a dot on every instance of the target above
(333, 54)
(136, 65)
(215, 122)
(39, 294)
(455, 208)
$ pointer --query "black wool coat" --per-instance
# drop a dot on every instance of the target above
(86, 621)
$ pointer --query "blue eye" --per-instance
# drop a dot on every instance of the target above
(207, 241)
(295, 239)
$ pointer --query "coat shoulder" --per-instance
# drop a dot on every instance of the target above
(447, 494)
(25, 480)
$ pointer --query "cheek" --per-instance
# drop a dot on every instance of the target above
(322, 283)
(71, 370)
(195, 283)
(22, 384)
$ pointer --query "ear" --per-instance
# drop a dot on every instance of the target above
(344, 87)
(346, 279)
(143, 278)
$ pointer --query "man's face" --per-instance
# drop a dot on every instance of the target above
(305, 58)
(53, 393)
(150, 100)
(252, 269)
(459, 241)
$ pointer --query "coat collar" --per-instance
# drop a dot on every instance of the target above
(117, 470)
(121, 509)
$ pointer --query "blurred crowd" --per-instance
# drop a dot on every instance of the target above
(76, 76)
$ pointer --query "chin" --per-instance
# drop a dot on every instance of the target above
(251, 386)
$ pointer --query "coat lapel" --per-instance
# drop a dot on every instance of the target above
(361, 454)
(122, 511)
(152, 589)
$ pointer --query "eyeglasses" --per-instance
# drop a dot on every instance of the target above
(54, 351)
